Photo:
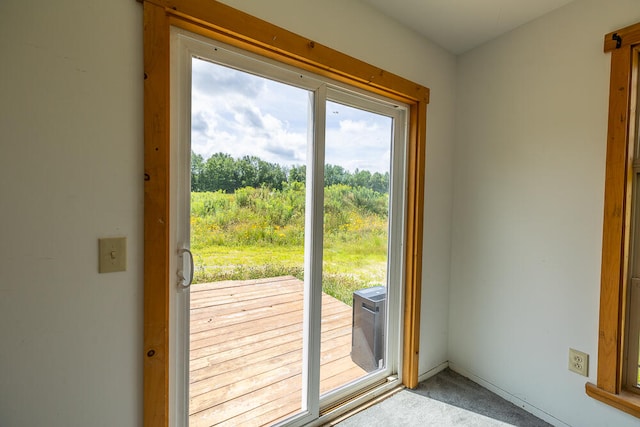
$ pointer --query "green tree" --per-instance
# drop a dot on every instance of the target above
(197, 168)
(361, 179)
(271, 175)
(380, 182)
(334, 175)
(220, 173)
(248, 171)
(298, 174)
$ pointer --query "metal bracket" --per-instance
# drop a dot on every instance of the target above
(618, 40)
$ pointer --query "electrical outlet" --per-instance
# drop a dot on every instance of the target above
(578, 362)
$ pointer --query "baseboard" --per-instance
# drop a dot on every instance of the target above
(433, 372)
(508, 396)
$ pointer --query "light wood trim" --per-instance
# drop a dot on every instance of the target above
(156, 217)
(414, 238)
(616, 227)
(629, 36)
(220, 22)
(625, 401)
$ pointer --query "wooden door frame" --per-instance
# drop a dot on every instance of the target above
(624, 47)
(223, 23)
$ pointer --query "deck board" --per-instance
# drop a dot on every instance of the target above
(246, 351)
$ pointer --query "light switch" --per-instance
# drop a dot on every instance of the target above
(112, 254)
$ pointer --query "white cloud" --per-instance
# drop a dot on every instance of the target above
(357, 126)
(242, 114)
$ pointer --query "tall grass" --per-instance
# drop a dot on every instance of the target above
(259, 232)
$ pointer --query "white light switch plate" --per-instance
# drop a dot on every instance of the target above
(112, 254)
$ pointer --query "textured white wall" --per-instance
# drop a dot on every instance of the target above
(529, 169)
(71, 172)
(528, 198)
(359, 31)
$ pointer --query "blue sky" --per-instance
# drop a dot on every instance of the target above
(241, 114)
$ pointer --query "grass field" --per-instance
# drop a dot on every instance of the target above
(258, 233)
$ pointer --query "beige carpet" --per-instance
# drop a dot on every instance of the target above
(445, 400)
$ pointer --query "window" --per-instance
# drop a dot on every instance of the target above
(224, 24)
(619, 338)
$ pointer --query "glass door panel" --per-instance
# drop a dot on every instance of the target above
(249, 143)
(355, 245)
(287, 203)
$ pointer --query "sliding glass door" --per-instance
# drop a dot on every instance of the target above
(287, 192)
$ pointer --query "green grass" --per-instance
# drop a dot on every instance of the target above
(346, 268)
(259, 233)
(246, 272)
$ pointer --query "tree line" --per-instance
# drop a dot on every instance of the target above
(221, 172)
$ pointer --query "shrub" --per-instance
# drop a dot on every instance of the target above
(355, 239)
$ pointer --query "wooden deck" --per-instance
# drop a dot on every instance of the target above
(246, 351)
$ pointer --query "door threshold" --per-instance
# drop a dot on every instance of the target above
(367, 398)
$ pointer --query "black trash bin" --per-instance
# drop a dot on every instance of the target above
(368, 328)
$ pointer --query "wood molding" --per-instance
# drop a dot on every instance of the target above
(235, 27)
(625, 401)
(156, 217)
(414, 239)
(623, 37)
(617, 225)
(220, 22)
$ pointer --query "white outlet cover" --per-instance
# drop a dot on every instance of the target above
(578, 362)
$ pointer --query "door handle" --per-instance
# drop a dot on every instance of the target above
(185, 282)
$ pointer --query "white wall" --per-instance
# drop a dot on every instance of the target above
(375, 39)
(528, 198)
(71, 171)
(529, 170)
